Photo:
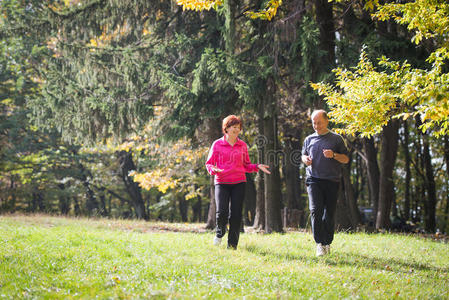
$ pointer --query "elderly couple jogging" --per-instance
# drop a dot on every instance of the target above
(323, 153)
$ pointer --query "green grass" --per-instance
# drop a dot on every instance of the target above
(50, 257)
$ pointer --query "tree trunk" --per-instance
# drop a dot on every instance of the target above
(261, 141)
(351, 201)
(91, 202)
(259, 218)
(291, 171)
(431, 201)
(342, 218)
(37, 202)
(325, 20)
(76, 207)
(102, 196)
(250, 200)
(446, 158)
(394, 207)
(373, 172)
(183, 207)
(389, 147)
(212, 131)
(108, 205)
(211, 216)
(196, 207)
(358, 180)
(293, 213)
(64, 200)
(273, 220)
(405, 147)
(11, 205)
(416, 196)
(133, 188)
(229, 12)
(420, 189)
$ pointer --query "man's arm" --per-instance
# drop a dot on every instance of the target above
(338, 156)
(306, 159)
(341, 158)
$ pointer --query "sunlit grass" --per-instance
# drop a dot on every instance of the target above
(49, 257)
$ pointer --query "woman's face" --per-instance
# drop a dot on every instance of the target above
(234, 130)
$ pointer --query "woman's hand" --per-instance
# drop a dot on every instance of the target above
(216, 170)
(264, 168)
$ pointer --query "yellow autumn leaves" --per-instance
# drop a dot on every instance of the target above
(172, 164)
(158, 178)
(175, 161)
(199, 5)
(267, 13)
(366, 98)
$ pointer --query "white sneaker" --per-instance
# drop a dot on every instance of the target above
(327, 249)
(320, 250)
(217, 241)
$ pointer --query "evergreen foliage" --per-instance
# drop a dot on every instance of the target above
(96, 93)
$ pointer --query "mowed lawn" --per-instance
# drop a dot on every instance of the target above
(53, 257)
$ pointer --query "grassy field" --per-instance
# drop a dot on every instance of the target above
(50, 257)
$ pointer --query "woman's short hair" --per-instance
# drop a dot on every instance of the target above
(229, 121)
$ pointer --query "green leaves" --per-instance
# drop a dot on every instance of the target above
(365, 99)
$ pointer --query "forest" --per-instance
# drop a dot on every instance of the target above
(108, 107)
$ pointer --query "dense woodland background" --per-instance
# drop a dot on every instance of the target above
(108, 107)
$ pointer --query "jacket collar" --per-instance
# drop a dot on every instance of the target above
(237, 142)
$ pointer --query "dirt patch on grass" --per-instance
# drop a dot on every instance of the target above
(155, 226)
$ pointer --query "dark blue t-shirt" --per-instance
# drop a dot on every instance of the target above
(322, 167)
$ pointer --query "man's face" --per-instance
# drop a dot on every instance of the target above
(320, 123)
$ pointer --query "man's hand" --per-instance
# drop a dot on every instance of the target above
(340, 157)
(328, 153)
(307, 160)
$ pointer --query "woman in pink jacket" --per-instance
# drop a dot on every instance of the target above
(229, 162)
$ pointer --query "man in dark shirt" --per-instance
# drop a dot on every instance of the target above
(323, 153)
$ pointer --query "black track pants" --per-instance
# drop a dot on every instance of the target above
(229, 199)
(322, 204)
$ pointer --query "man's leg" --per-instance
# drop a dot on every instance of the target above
(330, 204)
(235, 219)
(316, 207)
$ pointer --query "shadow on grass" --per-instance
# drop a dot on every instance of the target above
(349, 259)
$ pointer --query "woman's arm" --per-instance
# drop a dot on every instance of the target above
(211, 161)
(252, 168)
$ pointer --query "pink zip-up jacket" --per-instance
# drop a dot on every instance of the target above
(233, 160)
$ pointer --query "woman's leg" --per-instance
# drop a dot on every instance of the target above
(222, 194)
(235, 219)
